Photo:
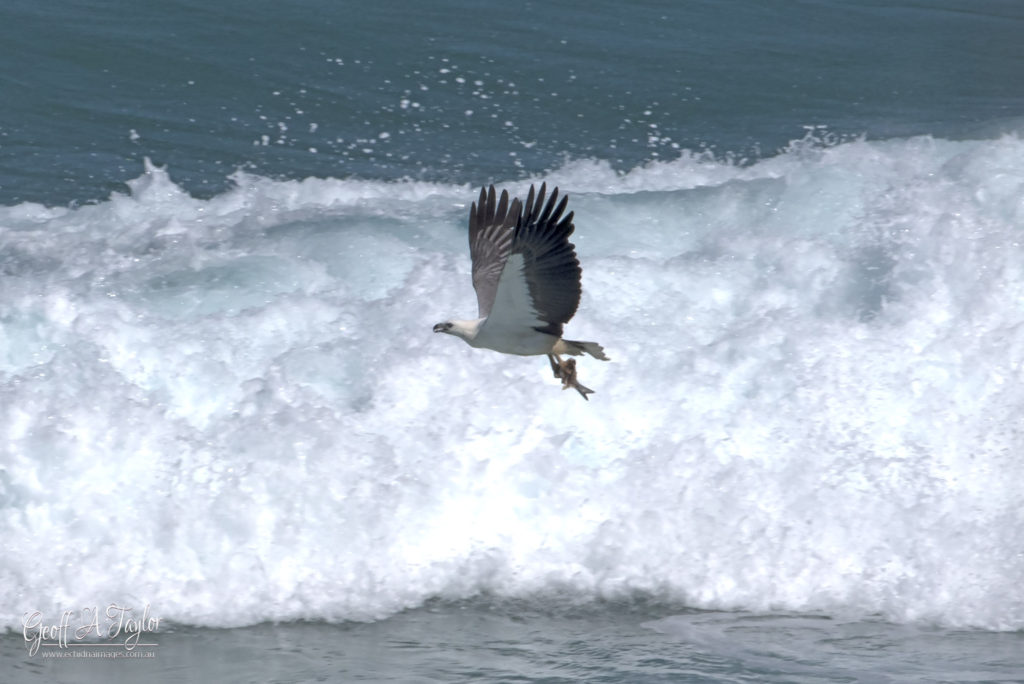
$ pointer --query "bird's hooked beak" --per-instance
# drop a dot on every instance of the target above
(443, 327)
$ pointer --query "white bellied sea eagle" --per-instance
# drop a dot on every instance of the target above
(527, 281)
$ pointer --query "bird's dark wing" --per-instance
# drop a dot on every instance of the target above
(492, 223)
(550, 266)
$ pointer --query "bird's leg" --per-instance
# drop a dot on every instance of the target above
(556, 365)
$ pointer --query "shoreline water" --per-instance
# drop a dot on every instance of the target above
(502, 642)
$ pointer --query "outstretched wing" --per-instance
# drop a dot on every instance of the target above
(549, 264)
(491, 227)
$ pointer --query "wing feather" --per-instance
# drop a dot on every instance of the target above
(550, 266)
(492, 223)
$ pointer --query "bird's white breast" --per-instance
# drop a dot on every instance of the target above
(519, 340)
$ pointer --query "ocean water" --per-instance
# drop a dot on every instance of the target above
(226, 231)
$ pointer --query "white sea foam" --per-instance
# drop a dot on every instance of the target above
(234, 409)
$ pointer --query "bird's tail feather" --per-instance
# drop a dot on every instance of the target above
(593, 348)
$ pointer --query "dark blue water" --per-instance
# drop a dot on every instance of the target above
(470, 92)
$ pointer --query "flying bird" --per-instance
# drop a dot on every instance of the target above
(527, 281)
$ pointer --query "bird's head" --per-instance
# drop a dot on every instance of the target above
(467, 330)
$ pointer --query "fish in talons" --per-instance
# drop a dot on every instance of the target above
(566, 372)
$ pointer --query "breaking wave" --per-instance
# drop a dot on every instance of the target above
(234, 410)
